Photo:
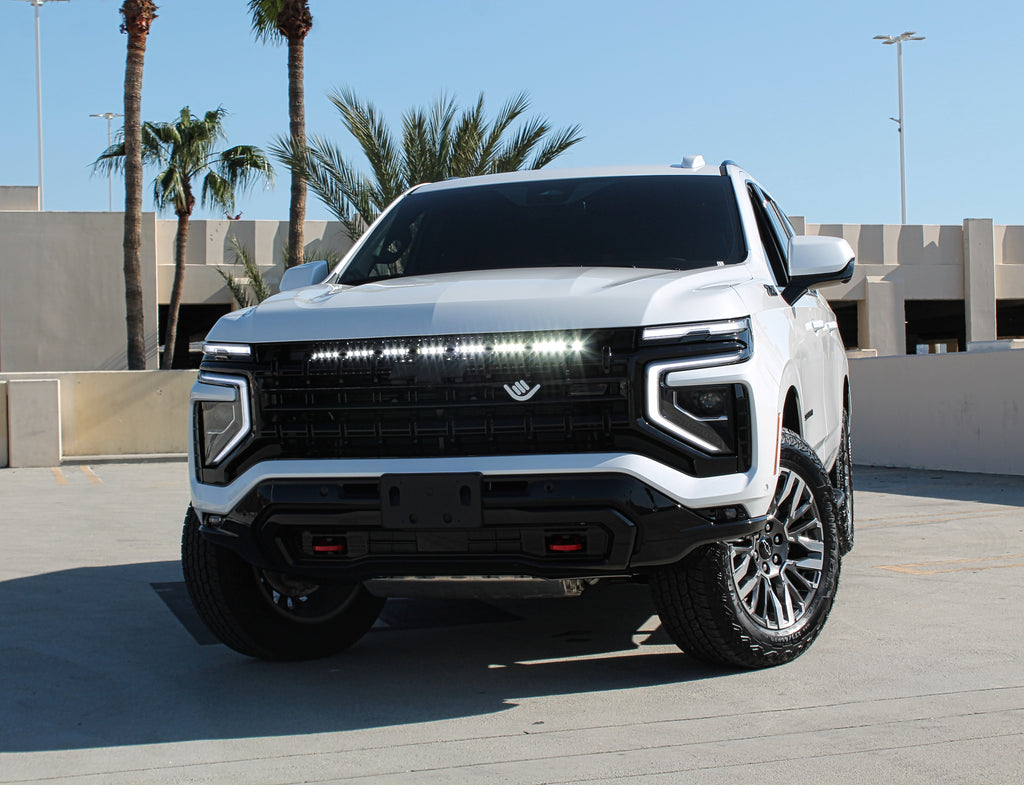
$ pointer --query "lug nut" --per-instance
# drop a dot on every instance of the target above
(776, 559)
(778, 539)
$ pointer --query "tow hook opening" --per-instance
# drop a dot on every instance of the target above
(566, 543)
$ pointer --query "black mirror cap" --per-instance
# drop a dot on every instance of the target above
(797, 286)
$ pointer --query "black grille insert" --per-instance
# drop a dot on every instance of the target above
(446, 396)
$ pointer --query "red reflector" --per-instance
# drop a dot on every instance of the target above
(329, 545)
(566, 546)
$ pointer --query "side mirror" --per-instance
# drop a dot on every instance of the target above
(814, 261)
(304, 275)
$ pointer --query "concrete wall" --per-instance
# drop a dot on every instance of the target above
(19, 197)
(62, 294)
(962, 411)
(99, 413)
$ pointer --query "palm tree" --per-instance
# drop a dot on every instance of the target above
(289, 20)
(137, 16)
(184, 149)
(437, 143)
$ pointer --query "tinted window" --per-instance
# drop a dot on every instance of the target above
(661, 222)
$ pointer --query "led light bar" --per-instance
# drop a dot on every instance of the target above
(473, 347)
(433, 350)
(227, 351)
(320, 356)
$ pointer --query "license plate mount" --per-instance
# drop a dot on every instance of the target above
(431, 501)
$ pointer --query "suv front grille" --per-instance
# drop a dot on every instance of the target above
(449, 396)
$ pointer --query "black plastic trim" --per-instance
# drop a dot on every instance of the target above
(625, 526)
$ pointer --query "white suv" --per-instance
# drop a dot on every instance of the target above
(534, 380)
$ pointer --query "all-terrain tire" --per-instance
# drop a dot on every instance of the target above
(717, 603)
(842, 480)
(268, 615)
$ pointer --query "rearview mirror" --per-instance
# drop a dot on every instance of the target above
(814, 261)
(304, 275)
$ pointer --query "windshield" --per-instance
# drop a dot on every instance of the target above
(660, 222)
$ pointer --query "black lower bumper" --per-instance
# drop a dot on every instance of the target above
(561, 526)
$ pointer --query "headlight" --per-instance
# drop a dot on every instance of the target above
(226, 351)
(713, 417)
(704, 416)
(222, 415)
(705, 344)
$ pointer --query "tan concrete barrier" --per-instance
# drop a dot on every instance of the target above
(963, 412)
(114, 412)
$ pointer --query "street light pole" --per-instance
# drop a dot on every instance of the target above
(36, 4)
(898, 40)
(108, 116)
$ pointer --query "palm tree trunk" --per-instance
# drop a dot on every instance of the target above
(171, 333)
(138, 15)
(297, 117)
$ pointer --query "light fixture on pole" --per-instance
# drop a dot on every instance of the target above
(36, 4)
(108, 116)
(898, 40)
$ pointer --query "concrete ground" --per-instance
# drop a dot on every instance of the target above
(106, 677)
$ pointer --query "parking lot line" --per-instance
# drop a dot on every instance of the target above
(88, 472)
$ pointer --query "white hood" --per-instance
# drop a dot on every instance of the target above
(495, 301)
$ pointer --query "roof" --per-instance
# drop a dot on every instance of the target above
(540, 175)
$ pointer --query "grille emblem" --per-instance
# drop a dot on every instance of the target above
(521, 390)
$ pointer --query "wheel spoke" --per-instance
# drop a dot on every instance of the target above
(776, 604)
(740, 570)
(793, 574)
(746, 588)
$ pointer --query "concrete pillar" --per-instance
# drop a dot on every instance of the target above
(3, 424)
(881, 317)
(979, 280)
(33, 422)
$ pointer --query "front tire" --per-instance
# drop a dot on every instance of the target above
(842, 480)
(270, 615)
(762, 600)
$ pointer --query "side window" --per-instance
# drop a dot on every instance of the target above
(773, 237)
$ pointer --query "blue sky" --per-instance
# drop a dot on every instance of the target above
(796, 92)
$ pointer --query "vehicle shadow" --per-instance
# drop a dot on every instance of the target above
(95, 657)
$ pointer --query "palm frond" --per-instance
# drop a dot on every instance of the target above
(238, 289)
(467, 141)
(218, 192)
(371, 132)
(264, 20)
(556, 145)
(514, 152)
(510, 111)
(110, 160)
(170, 189)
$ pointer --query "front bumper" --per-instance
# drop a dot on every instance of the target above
(584, 524)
